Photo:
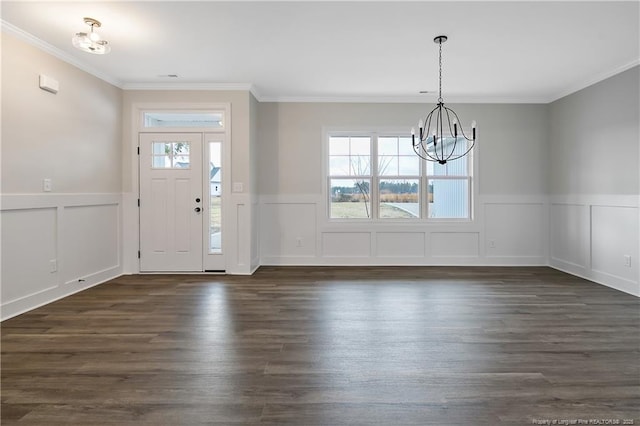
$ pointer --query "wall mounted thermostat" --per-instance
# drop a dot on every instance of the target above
(49, 84)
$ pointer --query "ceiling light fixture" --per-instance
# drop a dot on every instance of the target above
(433, 143)
(91, 42)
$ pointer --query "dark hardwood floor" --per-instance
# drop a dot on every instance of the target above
(328, 346)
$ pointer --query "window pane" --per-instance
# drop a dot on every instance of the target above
(457, 167)
(387, 146)
(170, 155)
(215, 197)
(452, 167)
(405, 146)
(361, 146)
(181, 162)
(349, 156)
(339, 165)
(360, 165)
(161, 148)
(350, 198)
(180, 148)
(183, 119)
(161, 162)
(431, 168)
(399, 198)
(338, 146)
(448, 198)
(387, 166)
(409, 165)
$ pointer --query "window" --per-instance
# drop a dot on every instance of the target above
(179, 119)
(449, 185)
(398, 178)
(170, 155)
(350, 177)
(215, 197)
(373, 176)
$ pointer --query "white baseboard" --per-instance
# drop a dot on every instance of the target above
(41, 298)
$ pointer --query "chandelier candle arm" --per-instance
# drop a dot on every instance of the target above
(433, 143)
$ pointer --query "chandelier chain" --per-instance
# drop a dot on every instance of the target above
(440, 75)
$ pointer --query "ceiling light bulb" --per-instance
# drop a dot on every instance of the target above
(94, 36)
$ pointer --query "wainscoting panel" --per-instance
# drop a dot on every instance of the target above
(592, 236)
(29, 248)
(243, 250)
(400, 244)
(455, 244)
(569, 235)
(345, 245)
(54, 245)
(90, 240)
(614, 235)
(289, 229)
(295, 230)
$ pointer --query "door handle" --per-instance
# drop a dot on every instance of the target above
(197, 209)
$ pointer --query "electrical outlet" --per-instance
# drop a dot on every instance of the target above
(53, 265)
(627, 260)
(47, 186)
(299, 242)
(492, 243)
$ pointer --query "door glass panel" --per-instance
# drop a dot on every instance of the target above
(215, 198)
(170, 155)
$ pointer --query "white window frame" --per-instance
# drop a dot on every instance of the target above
(424, 179)
(328, 176)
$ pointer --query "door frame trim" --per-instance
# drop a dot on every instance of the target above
(130, 213)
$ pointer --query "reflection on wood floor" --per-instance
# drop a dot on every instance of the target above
(327, 346)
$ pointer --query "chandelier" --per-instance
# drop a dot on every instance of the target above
(91, 42)
(439, 139)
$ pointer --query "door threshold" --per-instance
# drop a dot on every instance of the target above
(182, 273)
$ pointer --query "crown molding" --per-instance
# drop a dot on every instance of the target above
(593, 80)
(188, 86)
(429, 99)
(54, 51)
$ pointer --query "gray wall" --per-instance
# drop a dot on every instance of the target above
(72, 137)
(594, 138)
(594, 163)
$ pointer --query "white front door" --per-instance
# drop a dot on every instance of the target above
(172, 202)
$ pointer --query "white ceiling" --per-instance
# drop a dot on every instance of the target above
(501, 51)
